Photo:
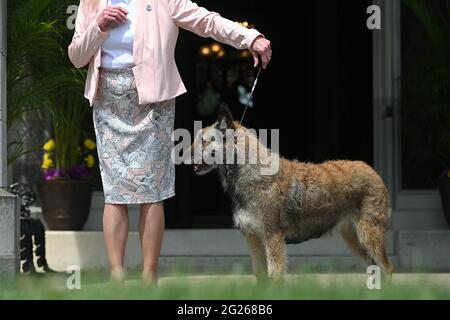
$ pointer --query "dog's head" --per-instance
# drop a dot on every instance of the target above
(211, 142)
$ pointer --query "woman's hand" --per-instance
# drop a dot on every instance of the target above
(261, 48)
(110, 17)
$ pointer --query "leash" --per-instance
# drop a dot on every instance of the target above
(251, 93)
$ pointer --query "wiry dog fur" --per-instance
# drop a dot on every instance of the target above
(301, 201)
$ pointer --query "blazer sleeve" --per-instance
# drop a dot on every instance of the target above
(86, 38)
(190, 16)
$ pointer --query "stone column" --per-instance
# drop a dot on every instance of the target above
(9, 234)
(9, 204)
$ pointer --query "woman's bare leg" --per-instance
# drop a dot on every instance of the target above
(151, 229)
(115, 231)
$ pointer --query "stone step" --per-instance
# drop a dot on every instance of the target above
(330, 263)
(87, 249)
(425, 249)
(408, 250)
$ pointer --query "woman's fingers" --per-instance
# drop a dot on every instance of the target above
(265, 60)
(267, 54)
(111, 16)
(261, 47)
(263, 56)
(116, 15)
(123, 10)
(120, 11)
(255, 59)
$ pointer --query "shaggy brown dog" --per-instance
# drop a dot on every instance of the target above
(298, 202)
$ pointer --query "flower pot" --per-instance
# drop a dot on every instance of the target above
(444, 190)
(65, 203)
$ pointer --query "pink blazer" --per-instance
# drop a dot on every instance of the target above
(157, 22)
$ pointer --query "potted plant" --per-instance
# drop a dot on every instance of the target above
(66, 183)
(444, 190)
(66, 187)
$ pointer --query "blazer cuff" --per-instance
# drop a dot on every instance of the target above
(100, 30)
(99, 35)
(252, 35)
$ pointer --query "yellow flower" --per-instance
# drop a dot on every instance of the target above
(89, 144)
(47, 156)
(90, 161)
(50, 145)
(48, 163)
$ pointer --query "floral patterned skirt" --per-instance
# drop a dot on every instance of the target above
(134, 142)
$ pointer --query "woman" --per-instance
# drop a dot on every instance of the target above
(131, 85)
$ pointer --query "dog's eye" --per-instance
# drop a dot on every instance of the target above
(213, 139)
(213, 153)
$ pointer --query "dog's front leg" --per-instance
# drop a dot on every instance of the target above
(276, 256)
(258, 255)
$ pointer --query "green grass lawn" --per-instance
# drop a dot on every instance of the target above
(95, 285)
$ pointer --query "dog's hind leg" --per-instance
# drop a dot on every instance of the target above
(276, 255)
(372, 238)
(258, 255)
(350, 237)
(370, 228)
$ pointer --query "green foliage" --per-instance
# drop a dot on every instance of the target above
(41, 78)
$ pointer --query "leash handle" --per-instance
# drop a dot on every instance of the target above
(251, 94)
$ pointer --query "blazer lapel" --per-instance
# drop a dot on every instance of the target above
(97, 59)
(101, 5)
(139, 26)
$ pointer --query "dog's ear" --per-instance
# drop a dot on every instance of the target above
(224, 117)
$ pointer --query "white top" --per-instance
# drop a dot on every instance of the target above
(117, 49)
